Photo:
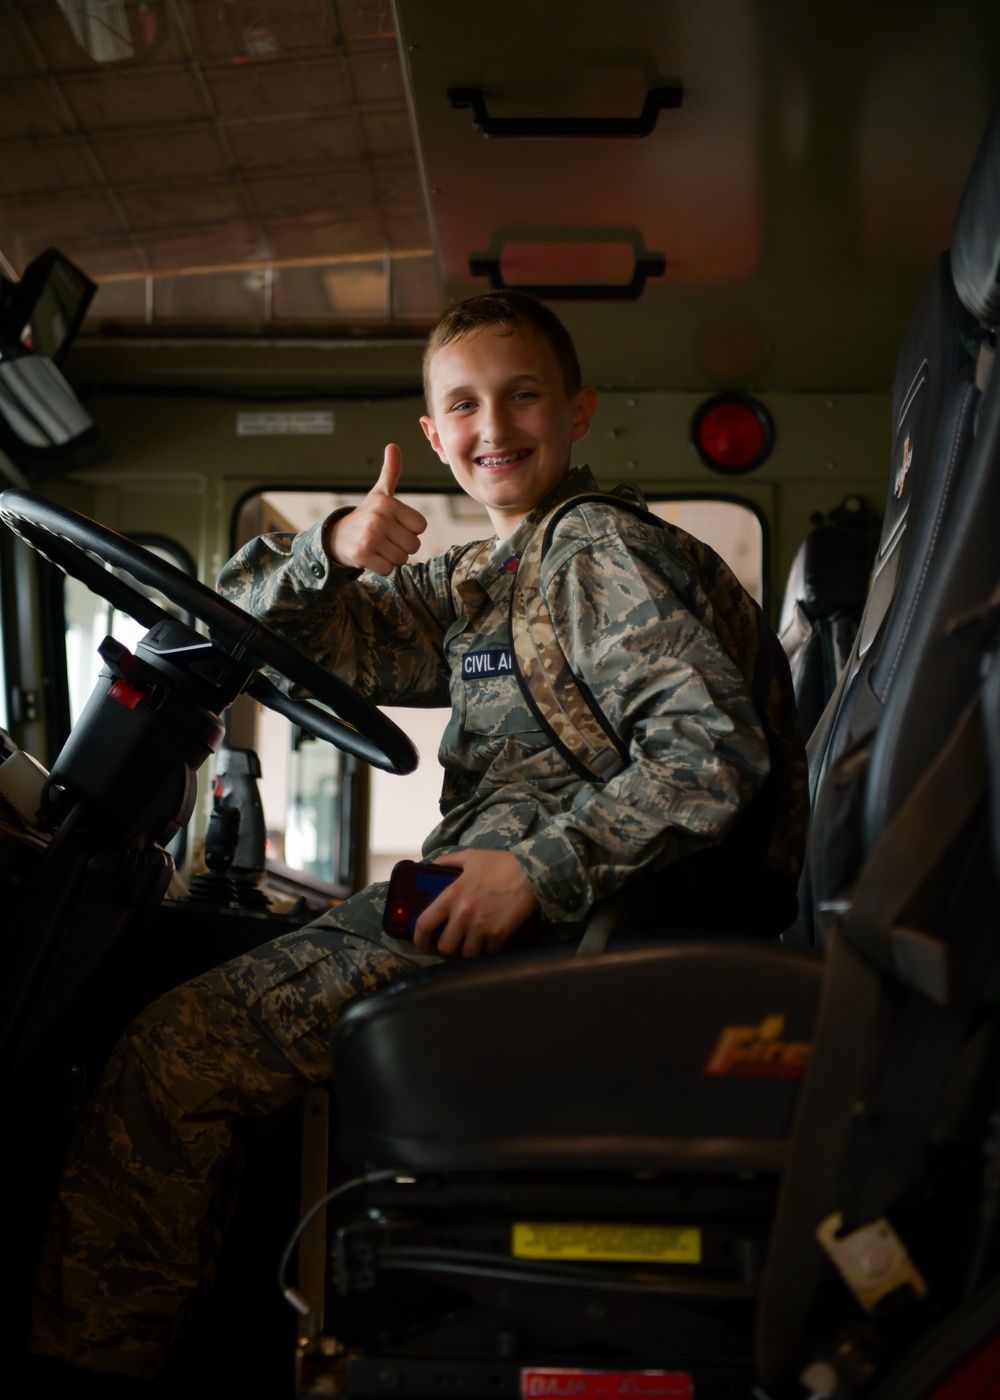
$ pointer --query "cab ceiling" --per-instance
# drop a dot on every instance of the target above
(216, 163)
(280, 167)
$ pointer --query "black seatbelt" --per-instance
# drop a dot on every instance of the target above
(831, 1088)
(854, 1151)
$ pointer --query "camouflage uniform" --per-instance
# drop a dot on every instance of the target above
(146, 1190)
(628, 611)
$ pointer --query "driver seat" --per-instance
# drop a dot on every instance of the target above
(554, 1100)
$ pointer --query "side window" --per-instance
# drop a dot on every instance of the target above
(733, 531)
(90, 619)
(304, 788)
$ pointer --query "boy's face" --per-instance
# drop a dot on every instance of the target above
(502, 421)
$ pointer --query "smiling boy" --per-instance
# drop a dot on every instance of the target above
(532, 839)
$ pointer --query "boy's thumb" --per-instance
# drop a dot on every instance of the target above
(392, 466)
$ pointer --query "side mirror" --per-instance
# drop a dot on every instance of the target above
(44, 310)
(44, 429)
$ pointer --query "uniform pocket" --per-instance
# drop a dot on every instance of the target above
(494, 706)
(297, 983)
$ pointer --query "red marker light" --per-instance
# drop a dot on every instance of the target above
(732, 433)
(126, 694)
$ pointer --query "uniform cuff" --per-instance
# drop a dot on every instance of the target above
(312, 563)
(557, 876)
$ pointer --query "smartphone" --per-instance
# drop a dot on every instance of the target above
(412, 886)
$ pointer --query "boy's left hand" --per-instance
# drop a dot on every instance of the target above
(481, 909)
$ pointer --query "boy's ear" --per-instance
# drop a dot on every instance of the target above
(584, 408)
(433, 436)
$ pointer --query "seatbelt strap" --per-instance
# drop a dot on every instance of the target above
(834, 1078)
(986, 618)
(991, 730)
(604, 919)
(937, 809)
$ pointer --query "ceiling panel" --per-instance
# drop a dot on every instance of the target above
(376, 77)
(281, 88)
(399, 189)
(297, 142)
(233, 33)
(302, 193)
(29, 168)
(366, 21)
(16, 49)
(89, 214)
(171, 153)
(182, 206)
(197, 247)
(127, 99)
(32, 109)
(388, 133)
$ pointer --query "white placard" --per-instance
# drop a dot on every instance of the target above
(319, 424)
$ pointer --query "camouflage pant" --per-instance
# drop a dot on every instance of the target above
(149, 1184)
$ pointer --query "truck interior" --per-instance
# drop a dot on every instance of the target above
(714, 1166)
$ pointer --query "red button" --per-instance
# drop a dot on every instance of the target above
(126, 694)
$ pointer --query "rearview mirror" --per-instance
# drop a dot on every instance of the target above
(44, 310)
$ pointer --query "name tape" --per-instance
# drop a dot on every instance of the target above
(478, 665)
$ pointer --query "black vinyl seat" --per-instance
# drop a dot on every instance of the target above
(933, 405)
(605, 1063)
(823, 603)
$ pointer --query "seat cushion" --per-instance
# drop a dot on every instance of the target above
(680, 1055)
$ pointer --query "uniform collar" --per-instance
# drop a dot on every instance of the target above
(496, 579)
(579, 482)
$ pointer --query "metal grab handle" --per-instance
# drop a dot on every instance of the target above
(648, 265)
(527, 127)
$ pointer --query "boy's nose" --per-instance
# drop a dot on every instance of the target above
(495, 426)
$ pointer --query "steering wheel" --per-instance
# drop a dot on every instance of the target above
(70, 540)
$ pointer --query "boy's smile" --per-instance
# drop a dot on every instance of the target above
(502, 420)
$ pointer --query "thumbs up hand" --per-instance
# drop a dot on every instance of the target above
(381, 532)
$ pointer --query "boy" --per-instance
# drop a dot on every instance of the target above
(148, 1186)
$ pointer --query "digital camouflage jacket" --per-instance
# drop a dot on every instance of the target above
(627, 616)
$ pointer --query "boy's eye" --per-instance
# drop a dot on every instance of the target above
(458, 407)
(526, 394)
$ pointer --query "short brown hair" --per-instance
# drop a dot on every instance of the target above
(510, 312)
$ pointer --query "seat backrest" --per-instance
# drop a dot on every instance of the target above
(824, 599)
(934, 409)
(901, 858)
(928, 679)
(931, 421)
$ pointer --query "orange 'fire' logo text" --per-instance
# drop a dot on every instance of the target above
(756, 1052)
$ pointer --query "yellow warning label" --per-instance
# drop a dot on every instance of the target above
(647, 1244)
